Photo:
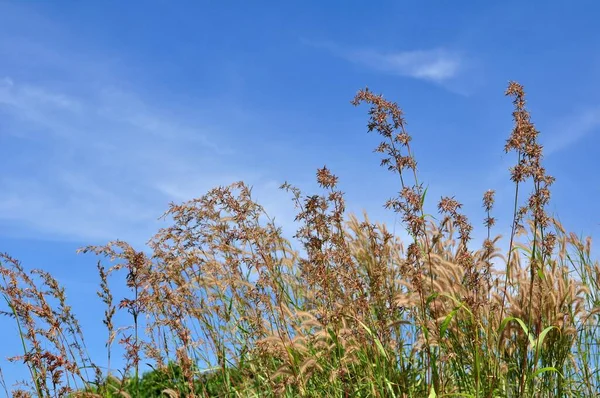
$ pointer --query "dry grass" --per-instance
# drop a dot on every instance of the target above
(350, 310)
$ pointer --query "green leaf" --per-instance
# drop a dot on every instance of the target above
(540, 340)
(521, 323)
(447, 320)
(377, 342)
(540, 273)
(459, 304)
(432, 393)
(543, 370)
(431, 297)
(390, 388)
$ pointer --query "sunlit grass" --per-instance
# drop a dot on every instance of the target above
(226, 306)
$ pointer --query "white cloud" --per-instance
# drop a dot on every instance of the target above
(571, 130)
(86, 160)
(25, 97)
(435, 65)
(100, 165)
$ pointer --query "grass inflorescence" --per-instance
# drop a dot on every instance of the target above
(224, 305)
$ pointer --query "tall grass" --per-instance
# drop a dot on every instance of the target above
(226, 306)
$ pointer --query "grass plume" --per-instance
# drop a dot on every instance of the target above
(224, 305)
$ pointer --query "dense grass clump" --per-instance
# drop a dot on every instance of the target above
(226, 306)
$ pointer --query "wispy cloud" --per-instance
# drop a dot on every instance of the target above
(435, 65)
(105, 165)
(90, 158)
(90, 166)
(90, 161)
(570, 130)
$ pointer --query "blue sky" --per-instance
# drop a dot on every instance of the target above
(110, 110)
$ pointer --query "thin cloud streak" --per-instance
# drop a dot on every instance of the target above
(572, 130)
(435, 65)
(93, 166)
